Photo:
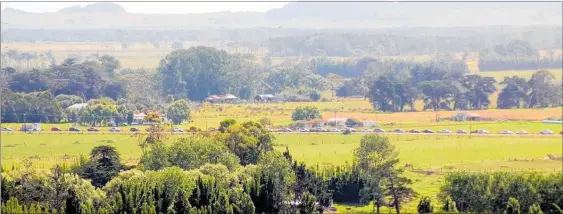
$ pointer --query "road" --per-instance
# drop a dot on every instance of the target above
(311, 133)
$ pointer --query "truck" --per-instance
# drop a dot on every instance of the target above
(35, 127)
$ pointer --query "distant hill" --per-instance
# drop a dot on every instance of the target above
(12, 10)
(95, 8)
(301, 15)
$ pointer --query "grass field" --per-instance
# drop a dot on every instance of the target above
(431, 156)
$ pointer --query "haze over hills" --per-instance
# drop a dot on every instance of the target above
(297, 15)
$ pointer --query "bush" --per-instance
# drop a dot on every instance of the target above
(306, 113)
(265, 122)
(535, 209)
(351, 122)
(425, 205)
(449, 205)
(513, 206)
(315, 96)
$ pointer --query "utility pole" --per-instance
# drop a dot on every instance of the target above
(470, 131)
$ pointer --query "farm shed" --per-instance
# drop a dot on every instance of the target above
(467, 116)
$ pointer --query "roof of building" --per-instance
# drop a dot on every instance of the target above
(77, 106)
(315, 121)
(337, 119)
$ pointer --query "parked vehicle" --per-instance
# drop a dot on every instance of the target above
(461, 131)
(399, 131)
(428, 131)
(320, 129)
(133, 129)
(92, 129)
(335, 130)
(304, 130)
(35, 127)
(482, 131)
(351, 129)
(522, 132)
(367, 130)
(378, 130)
(445, 131)
(507, 132)
(414, 131)
(286, 129)
(73, 129)
(55, 129)
(7, 129)
(177, 130)
(546, 132)
(114, 129)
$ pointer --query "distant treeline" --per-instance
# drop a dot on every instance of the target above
(519, 63)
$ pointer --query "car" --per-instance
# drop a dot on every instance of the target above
(304, 130)
(124, 124)
(133, 129)
(351, 129)
(507, 132)
(399, 131)
(335, 130)
(367, 130)
(546, 132)
(286, 130)
(73, 129)
(320, 129)
(177, 130)
(445, 131)
(522, 132)
(414, 131)
(92, 129)
(428, 131)
(378, 130)
(271, 130)
(7, 129)
(114, 129)
(55, 129)
(461, 131)
(482, 131)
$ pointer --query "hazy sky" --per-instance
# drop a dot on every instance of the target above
(153, 7)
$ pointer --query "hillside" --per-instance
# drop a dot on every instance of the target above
(297, 15)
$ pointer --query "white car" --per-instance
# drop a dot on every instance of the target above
(177, 130)
(378, 130)
(399, 131)
(114, 129)
(445, 131)
(461, 131)
(351, 129)
(7, 130)
(320, 129)
(546, 132)
(368, 130)
(304, 130)
(334, 130)
(507, 132)
(522, 132)
(482, 131)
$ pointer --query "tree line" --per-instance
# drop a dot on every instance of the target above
(517, 55)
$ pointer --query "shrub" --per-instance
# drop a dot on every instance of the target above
(513, 206)
(425, 205)
(306, 113)
(449, 205)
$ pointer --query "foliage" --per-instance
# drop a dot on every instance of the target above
(305, 113)
(188, 153)
(479, 192)
(103, 164)
(425, 205)
(449, 205)
(33, 107)
(307, 205)
(513, 206)
(247, 140)
(178, 111)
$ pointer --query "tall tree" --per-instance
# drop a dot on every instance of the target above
(514, 94)
(541, 89)
(178, 111)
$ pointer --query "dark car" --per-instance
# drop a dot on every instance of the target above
(428, 131)
(134, 129)
(73, 129)
(414, 131)
(92, 129)
(55, 129)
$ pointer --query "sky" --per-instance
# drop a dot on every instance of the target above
(153, 7)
